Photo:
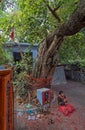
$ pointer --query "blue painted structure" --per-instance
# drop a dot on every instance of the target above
(14, 48)
(41, 95)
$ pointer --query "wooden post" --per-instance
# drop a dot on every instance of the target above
(6, 100)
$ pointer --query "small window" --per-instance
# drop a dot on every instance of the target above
(17, 56)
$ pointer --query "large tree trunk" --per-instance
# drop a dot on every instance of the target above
(47, 55)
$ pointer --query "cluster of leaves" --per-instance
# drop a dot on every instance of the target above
(37, 20)
(73, 50)
(5, 56)
(22, 68)
(32, 19)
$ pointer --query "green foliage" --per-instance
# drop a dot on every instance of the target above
(32, 20)
(5, 56)
(72, 50)
(67, 8)
(22, 68)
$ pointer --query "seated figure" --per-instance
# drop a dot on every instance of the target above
(62, 100)
(64, 107)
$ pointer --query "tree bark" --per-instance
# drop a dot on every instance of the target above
(47, 54)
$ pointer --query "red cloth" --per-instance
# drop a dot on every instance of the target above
(12, 34)
(67, 110)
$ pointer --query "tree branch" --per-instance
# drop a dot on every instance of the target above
(53, 11)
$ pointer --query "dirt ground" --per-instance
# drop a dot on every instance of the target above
(75, 93)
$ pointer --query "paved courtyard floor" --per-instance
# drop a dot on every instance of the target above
(75, 93)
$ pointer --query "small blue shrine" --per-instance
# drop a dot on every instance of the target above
(15, 49)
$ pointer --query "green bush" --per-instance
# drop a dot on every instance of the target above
(5, 56)
(22, 68)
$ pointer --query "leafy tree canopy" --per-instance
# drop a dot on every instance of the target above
(73, 50)
(32, 20)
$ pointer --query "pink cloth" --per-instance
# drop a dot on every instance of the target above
(67, 110)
